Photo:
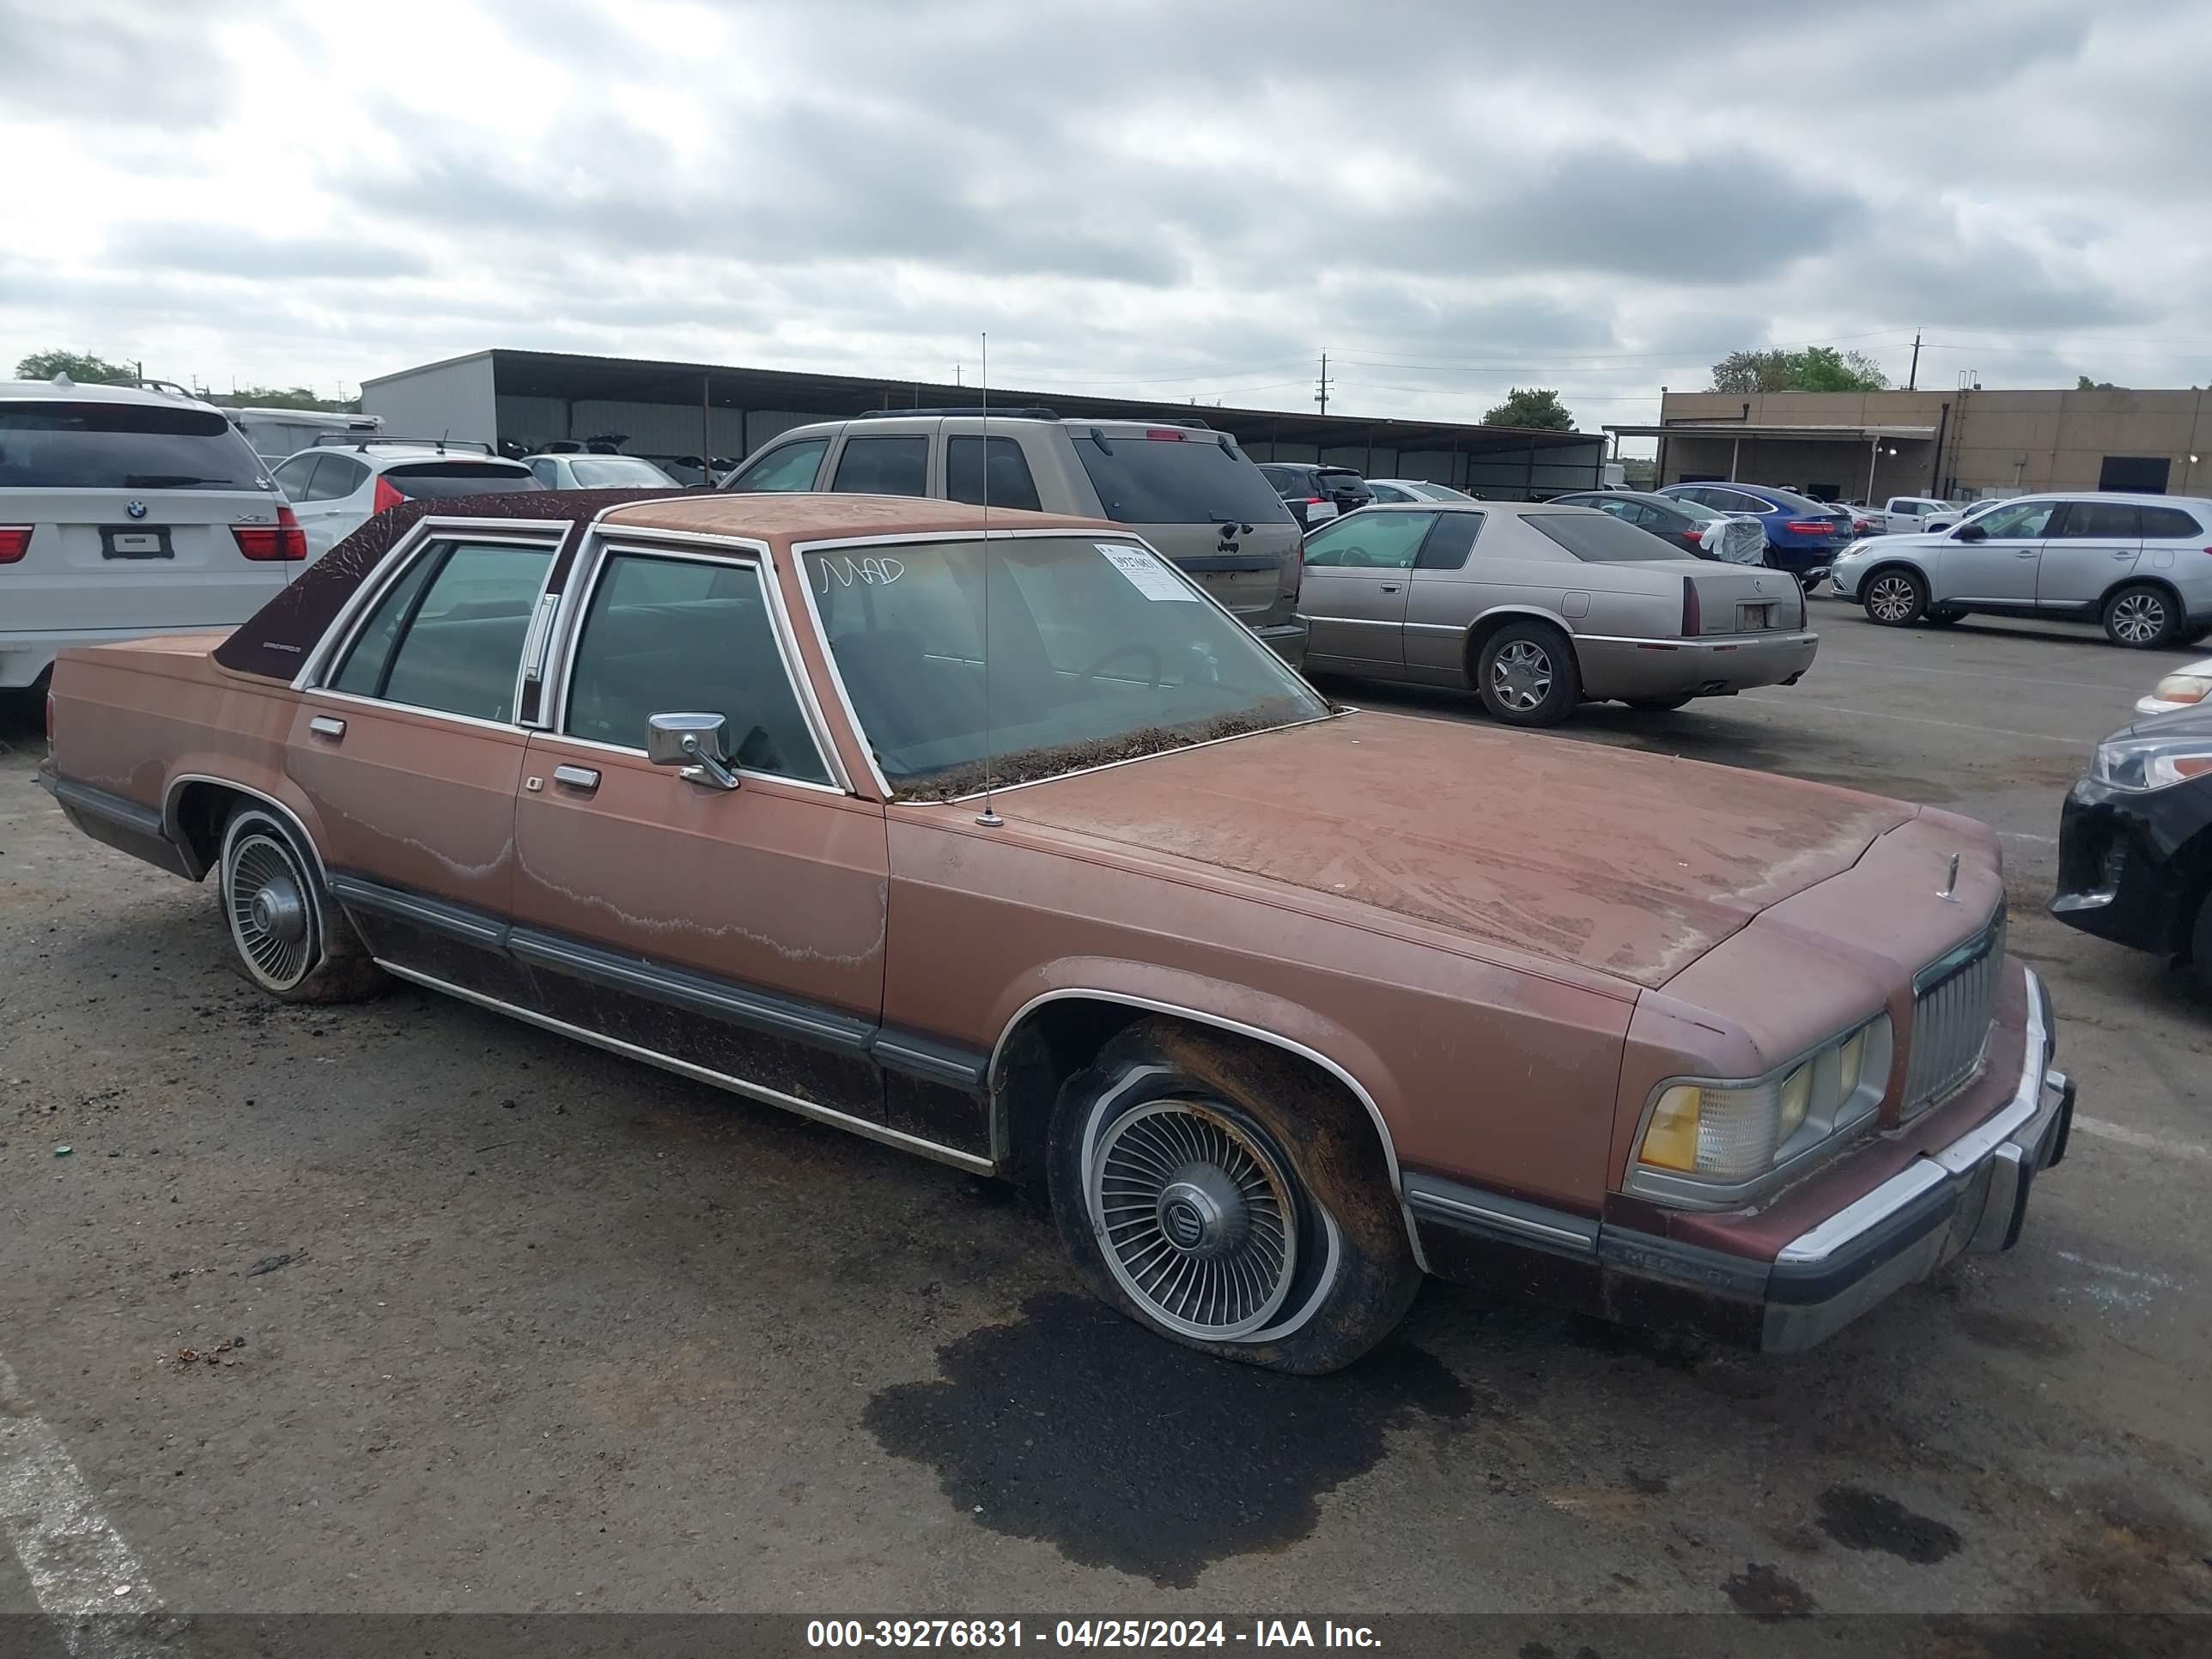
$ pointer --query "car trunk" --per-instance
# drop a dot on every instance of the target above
(92, 564)
(1624, 864)
(1738, 598)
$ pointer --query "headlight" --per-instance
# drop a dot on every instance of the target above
(2183, 688)
(1718, 1136)
(2139, 765)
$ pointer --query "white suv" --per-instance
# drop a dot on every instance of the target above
(125, 513)
(337, 485)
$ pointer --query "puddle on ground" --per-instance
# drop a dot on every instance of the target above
(1862, 1520)
(1075, 1427)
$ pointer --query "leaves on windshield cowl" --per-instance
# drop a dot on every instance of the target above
(1029, 765)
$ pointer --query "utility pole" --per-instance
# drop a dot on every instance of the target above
(1912, 379)
(956, 375)
(1321, 397)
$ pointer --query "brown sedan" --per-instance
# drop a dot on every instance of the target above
(1022, 854)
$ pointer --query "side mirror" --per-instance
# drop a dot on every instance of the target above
(1971, 532)
(700, 743)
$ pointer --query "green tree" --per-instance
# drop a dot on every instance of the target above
(1816, 368)
(2083, 383)
(80, 366)
(297, 396)
(1532, 406)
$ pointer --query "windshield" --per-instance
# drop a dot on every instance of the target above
(58, 444)
(616, 471)
(1598, 537)
(1100, 652)
(1436, 492)
(1179, 476)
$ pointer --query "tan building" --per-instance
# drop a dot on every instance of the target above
(1869, 445)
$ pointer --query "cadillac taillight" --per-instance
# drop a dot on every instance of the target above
(1694, 616)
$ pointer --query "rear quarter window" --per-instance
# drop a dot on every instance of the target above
(69, 445)
(2169, 522)
(1190, 479)
(1596, 538)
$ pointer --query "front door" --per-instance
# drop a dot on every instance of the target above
(1998, 564)
(410, 754)
(2091, 545)
(1358, 574)
(737, 933)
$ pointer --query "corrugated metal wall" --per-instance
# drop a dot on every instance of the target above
(652, 429)
(451, 400)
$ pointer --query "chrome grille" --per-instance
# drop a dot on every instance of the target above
(1954, 999)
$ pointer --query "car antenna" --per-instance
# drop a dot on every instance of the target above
(988, 818)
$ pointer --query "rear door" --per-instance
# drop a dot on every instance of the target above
(1201, 500)
(1358, 574)
(410, 750)
(2089, 546)
(130, 509)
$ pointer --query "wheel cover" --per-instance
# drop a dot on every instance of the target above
(1521, 675)
(1891, 599)
(1195, 1218)
(2139, 618)
(270, 917)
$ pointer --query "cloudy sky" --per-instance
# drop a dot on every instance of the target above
(1173, 200)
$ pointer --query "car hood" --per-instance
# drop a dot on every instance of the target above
(1627, 864)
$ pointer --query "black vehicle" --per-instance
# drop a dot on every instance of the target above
(2135, 841)
(1310, 492)
(1697, 529)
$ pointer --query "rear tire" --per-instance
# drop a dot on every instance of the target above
(1895, 597)
(287, 938)
(1526, 675)
(1261, 1188)
(2142, 617)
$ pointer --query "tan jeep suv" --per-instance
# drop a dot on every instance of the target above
(1193, 493)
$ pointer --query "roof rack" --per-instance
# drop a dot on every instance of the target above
(356, 441)
(1033, 412)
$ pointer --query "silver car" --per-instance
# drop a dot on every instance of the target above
(2134, 563)
(1537, 607)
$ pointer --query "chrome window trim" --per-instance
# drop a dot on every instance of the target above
(476, 721)
(1001, 1141)
(1708, 642)
(339, 636)
(909, 538)
(858, 1126)
(1931, 1169)
(1685, 1191)
(605, 542)
(597, 747)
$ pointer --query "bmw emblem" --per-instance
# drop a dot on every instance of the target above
(136, 510)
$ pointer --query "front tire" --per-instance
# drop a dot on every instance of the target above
(288, 941)
(1895, 597)
(1527, 675)
(2141, 617)
(1223, 1195)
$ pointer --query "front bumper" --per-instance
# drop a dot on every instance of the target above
(1660, 669)
(1843, 578)
(2118, 875)
(1970, 1194)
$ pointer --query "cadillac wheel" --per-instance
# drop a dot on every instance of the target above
(1176, 1187)
(288, 941)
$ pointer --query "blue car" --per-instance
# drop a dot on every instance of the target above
(1803, 536)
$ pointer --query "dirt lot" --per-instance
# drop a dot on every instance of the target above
(492, 1321)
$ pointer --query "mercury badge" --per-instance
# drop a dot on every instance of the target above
(1950, 893)
(135, 509)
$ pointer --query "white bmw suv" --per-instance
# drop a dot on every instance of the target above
(125, 513)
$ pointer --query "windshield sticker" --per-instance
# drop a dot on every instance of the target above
(1145, 573)
(873, 572)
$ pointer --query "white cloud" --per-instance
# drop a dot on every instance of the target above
(1154, 199)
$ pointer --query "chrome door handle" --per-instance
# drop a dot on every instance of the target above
(1389, 587)
(326, 726)
(581, 778)
(2029, 553)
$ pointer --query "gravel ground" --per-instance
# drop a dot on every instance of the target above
(487, 1321)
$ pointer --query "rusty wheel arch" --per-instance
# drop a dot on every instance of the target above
(198, 805)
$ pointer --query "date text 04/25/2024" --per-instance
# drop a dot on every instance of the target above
(1126, 1633)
